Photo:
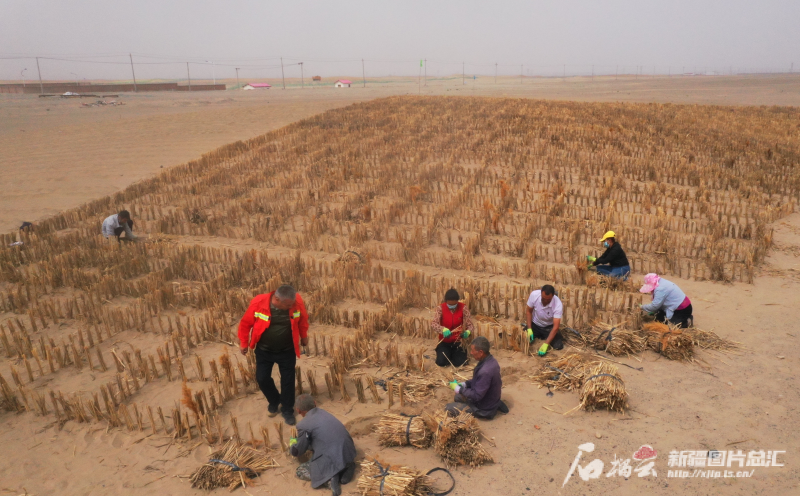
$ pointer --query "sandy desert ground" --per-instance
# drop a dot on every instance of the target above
(55, 155)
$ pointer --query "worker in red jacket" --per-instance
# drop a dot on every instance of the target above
(452, 322)
(276, 325)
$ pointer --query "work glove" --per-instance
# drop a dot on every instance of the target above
(292, 441)
(530, 335)
(543, 349)
(465, 334)
(590, 258)
(454, 386)
(446, 332)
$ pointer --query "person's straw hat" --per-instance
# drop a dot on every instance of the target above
(609, 234)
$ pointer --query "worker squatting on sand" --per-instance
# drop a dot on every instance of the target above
(613, 262)
(334, 451)
(543, 316)
(117, 224)
(452, 322)
(480, 395)
(276, 325)
(669, 304)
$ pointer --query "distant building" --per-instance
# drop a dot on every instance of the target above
(343, 83)
(256, 86)
(316, 78)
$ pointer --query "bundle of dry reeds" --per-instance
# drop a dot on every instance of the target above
(710, 340)
(613, 340)
(669, 340)
(564, 373)
(603, 388)
(379, 478)
(414, 387)
(403, 430)
(231, 466)
(456, 439)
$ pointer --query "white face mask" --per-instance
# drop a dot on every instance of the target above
(605, 243)
(452, 307)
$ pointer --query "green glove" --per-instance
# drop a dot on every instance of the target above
(590, 258)
(446, 332)
(453, 385)
(543, 349)
(292, 441)
(465, 334)
(530, 335)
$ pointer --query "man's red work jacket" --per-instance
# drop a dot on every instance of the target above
(257, 319)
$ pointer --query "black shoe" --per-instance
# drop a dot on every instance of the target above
(272, 411)
(289, 419)
(347, 474)
(502, 408)
(336, 489)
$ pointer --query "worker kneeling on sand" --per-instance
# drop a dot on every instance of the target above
(543, 316)
(334, 452)
(480, 395)
(613, 262)
(669, 304)
(117, 224)
(276, 325)
(453, 323)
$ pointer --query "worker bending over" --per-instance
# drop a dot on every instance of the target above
(543, 314)
(276, 325)
(613, 262)
(334, 452)
(669, 304)
(453, 323)
(480, 395)
(117, 224)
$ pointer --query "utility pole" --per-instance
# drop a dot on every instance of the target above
(592, 72)
(495, 73)
(283, 78)
(462, 74)
(363, 73)
(302, 80)
(135, 89)
(565, 70)
(237, 79)
(419, 78)
(520, 73)
(189, 76)
(41, 86)
(426, 72)
(22, 73)
(616, 73)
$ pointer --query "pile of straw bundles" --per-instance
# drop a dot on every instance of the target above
(456, 440)
(402, 430)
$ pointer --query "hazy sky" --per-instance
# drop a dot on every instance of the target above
(332, 37)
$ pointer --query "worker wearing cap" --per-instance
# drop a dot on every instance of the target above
(669, 304)
(543, 315)
(613, 261)
(452, 322)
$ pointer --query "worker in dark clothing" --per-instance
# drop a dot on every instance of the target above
(276, 325)
(612, 262)
(334, 451)
(480, 395)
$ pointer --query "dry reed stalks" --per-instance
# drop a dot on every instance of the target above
(403, 430)
(603, 388)
(456, 439)
(669, 341)
(241, 463)
(380, 478)
(613, 340)
(710, 340)
(564, 373)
